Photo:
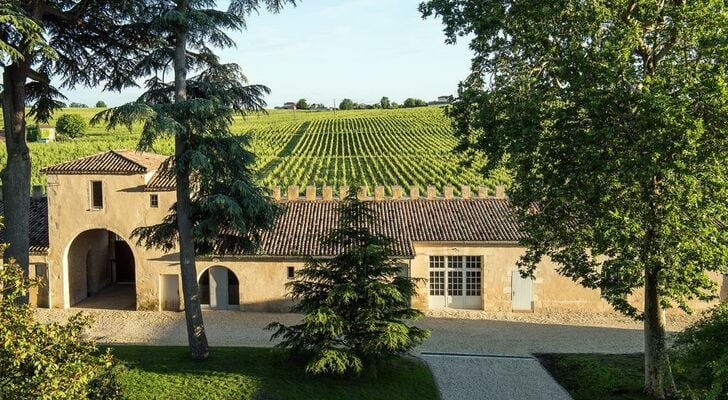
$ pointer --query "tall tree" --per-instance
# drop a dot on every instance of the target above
(81, 42)
(221, 210)
(612, 117)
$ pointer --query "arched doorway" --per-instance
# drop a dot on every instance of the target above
(101, 271)
(219, 289)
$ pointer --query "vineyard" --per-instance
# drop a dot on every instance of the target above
(372, 147)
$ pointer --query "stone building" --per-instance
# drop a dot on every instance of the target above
(464, 247)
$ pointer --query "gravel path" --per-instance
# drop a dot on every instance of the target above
(492, 378)
(504, 333)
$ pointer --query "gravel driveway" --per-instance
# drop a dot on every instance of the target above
(505, 333)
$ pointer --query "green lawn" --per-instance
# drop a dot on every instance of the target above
(598, 376)
(149, 372)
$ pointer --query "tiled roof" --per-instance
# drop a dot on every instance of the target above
(109, 163)
(38, 225)
(298, 232)
(300, 229)
(162, 181)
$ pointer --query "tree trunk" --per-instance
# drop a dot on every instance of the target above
(659, 383)
(16, 175)
(190, 290)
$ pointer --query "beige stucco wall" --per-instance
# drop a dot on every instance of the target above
(126, 206)
(261, 279)
(552, 291)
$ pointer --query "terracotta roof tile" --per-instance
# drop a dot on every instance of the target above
(162, 181)
(298, 232)
(112, 162)
(38, 225)
(300, 229)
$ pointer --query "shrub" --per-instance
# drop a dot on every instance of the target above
(701, 356)
(53, 361)
(356, 304)
(71, 125)
(31, 134)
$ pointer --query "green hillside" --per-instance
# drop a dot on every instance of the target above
(375, 147)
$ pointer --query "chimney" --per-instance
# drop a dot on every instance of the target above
(293, 192)
(431, 192)
(310, 192)
(343, 192)
(500, 192)
(327, 193)
(379, 193)
(482, 192)
(275, 193)
(397, 192)
(37, 191)
(414, 192)
(447, 191)
(465, 192)
(363, 193)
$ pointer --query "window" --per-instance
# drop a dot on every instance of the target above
(455, 283)
(464, 275)
(154, 201)
(40, 270)
(437, 283)
(97, 195)
(291, 273)
(472, 276)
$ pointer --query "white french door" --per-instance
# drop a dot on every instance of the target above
(455, 282)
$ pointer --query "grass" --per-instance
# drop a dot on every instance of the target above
(150, 372)
(598, 376)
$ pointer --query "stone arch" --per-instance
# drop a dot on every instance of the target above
(99, 263)
(219, 288)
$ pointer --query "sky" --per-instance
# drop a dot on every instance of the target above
(326, 50)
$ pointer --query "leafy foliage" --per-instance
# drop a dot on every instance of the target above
(623, 151)
(101, 104)
(384, 102)
(412, 102)
(346, 104)
(701, 356)
(356, 304)
(302, 104)
(47, 361)
(71, 125)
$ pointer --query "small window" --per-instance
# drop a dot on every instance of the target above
(97, 195)
(154, 201)
(291, 272)
(40, 270)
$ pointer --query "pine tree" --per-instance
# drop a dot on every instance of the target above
(356, 304)
(219, 209)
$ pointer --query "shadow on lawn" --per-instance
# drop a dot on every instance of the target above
(257, 373)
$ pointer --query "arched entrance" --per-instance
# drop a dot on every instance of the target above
(101, 271)
(219, 289)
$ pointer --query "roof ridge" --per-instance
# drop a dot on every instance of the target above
(117, 152)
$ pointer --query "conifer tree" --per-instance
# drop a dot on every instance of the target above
(356, 304)
(219, 209)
